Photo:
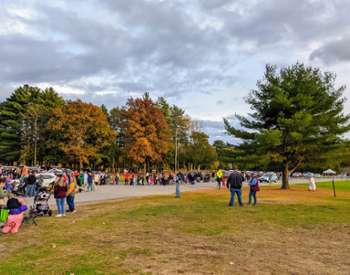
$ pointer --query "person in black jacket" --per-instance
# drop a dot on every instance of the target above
(31, 185)
(234, 183)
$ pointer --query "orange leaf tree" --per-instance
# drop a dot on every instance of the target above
(83, 131)
(147, 135)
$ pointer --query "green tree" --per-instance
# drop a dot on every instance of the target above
(199, 152)
(297, 117)
(23, 123)
(117, 120)
(179, 125)
(226, 154)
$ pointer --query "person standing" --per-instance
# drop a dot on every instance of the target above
(60, 192)
(116, 179)
(253, 188)
(177, 186)
(25, 171)
(234, 184)
(31, 185)
(90, 182)
(312, 184)
(71, 193)
(219, 176)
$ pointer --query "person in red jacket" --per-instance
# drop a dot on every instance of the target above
(60, 193)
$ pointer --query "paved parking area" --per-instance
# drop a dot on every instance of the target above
(112, 192)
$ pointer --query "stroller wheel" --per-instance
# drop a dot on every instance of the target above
(50, 213)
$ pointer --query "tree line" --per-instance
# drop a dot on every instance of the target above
(39, 127)
(297, 121)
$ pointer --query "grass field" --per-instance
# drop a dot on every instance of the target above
(289, 232)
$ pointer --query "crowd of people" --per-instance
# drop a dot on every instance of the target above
(16, 183)
(19, 182)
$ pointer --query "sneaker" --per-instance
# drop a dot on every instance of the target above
(63, 215)
(58, 215)
(74, 211)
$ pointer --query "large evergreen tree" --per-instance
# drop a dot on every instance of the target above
(226, 154)
(23, 123)
(297, 117)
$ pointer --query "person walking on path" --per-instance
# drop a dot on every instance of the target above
(234, 184)
(219, 175)
(253, 188)
(60, 192)
(71, 194)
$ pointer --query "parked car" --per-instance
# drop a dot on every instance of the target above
(308, 175)
(269, 177)
(46, 179)
(297, 174)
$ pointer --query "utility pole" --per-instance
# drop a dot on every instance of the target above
(35, 138)
(175, 149)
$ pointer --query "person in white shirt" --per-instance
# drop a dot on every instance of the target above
(312, 184)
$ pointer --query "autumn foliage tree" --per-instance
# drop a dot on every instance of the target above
(82, 130)
(147, 135)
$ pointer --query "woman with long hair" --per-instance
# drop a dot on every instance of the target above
(60, 193)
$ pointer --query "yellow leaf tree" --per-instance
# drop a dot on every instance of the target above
(82, 131)
(147, 135)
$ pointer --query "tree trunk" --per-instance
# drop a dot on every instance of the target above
(285, 176)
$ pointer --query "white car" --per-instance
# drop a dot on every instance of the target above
(269, 177)
(46, 179)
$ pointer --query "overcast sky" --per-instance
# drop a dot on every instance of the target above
(203, 55)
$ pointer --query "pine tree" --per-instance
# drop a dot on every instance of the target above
(23, 120)
(297, 117)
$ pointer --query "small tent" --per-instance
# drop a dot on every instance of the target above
(329, 172)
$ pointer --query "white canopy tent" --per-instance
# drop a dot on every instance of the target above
(329, 172)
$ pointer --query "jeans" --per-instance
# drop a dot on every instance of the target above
(239, 196)
(30, 190)
(219, 182)
(70, 202)
(178, 189)
(60, 205)
(252, 194)
(90, 187)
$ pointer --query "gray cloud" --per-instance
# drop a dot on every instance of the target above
(210, 52)
(333, 51)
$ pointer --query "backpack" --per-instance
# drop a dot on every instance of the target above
(256, 187)
(4, 213)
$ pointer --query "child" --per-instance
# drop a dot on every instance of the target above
(17, 208)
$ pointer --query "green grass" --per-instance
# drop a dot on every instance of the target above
(339, 185)
(145, 235)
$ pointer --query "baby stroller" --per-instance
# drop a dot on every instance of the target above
(41, 205)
